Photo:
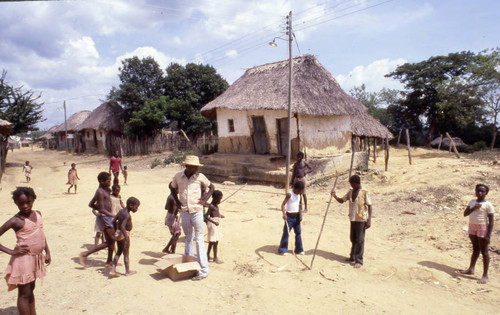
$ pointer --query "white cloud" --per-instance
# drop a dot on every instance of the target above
(233, 53)
(372, 75)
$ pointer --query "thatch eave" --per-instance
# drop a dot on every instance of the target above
(73, 122)
(6, 127)
(105, 117)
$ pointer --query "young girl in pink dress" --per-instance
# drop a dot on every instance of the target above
(28, 261)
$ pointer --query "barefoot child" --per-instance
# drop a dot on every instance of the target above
(172, 221)
(299, 173)
(123, 221)
(213, 217)
(72, 177)
(360, 215)
(116, 199)
(27, 171)
(125, 174)
(481, 217)
(292, 214)
(103, 204)
(97, 226)
(27, 259)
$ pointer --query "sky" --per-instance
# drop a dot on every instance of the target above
(72, 50)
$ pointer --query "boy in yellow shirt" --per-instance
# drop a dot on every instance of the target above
(360, 215)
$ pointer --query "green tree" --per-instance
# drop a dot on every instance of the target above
(20, 107)
(487, 77)
(438, 95)
(148, 119)
(379, 104)
(189, 88)
(140, 80)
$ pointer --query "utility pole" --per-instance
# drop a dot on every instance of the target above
(290, 61)
(65, 128)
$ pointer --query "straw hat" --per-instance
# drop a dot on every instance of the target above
(192, 160)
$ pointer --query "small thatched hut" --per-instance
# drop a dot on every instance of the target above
(103, 123)
(75, 140)
(49, 138)
(6, 127)
(252, 113)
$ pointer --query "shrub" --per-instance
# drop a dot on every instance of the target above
(177, 157)
(465, 148)
(480, 146)
(155, 163)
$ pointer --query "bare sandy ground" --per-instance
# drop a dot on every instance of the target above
(416, 243)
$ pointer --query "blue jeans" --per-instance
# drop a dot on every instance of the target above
(293, 223)
(190, 221)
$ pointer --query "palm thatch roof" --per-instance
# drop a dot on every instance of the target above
(315, 91)
(74, 121)
(6, 127)
(49, 134)
(105, 117)
(365, 125)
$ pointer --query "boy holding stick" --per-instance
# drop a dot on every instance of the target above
(292, 214)
(360, 215)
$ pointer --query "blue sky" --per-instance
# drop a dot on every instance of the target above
(71, 50)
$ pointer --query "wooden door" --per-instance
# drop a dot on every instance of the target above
(260, 135)
(282, 125)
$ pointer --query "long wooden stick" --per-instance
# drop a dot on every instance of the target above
(452, 144)
(408, 144)
(233, 193)
(324, 220)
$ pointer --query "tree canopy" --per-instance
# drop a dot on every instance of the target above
(438, 95)
(153, 99)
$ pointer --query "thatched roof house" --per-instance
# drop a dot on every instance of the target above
(6, 127)
(103, 123)
(251, 113)
(105, 117)
(73, 122)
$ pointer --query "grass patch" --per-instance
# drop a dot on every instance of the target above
(246, 269)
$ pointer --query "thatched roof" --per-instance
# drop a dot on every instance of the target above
(74, 121)
(49, 134)
(6, 127)
(365, 125)
(315, 91)
(105, 117)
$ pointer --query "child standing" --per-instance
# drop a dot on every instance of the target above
(72, 177)
(97, 226)
(125, 174)
(27, 171)
(116, 199)
(27, 259)
(481, 218)
(102, 203)
(213, 217)
(292, 215)
(360, 215)
(299, 173)
(173, 223)
(123, 221)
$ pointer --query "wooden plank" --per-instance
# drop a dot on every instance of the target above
(452, 144)
(353, 148)
(408, 144)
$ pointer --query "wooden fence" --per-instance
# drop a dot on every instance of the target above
(207, 144)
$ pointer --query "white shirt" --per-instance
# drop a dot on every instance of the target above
(293, 204)
(190, 190)
(480, 216)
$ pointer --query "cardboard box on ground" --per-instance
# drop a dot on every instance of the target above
(178, 266)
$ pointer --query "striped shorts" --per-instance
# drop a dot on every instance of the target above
(479, 230)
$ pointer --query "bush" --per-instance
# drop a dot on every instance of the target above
(177, 157)
(155, 163)
(480, 146)
(465, 148)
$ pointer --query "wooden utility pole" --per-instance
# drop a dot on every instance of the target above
(408, 144)
(290, 62)
(386, 153)
(65, 129)
(353, 148)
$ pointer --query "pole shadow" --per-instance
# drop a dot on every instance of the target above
(453, 272)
